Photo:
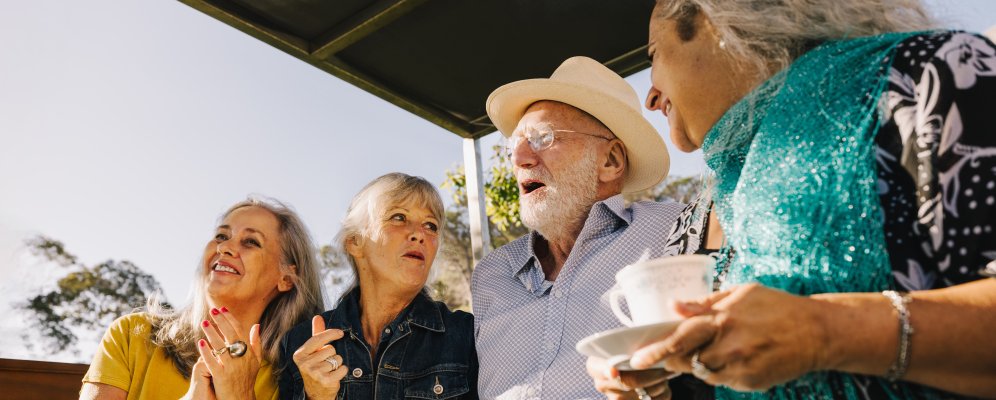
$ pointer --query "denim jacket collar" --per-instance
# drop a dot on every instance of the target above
(421, 312)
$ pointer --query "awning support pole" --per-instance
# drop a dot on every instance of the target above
(480, 235)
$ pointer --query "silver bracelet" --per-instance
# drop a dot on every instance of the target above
(899, 302)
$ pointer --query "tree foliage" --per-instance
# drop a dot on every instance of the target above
(501, 204)
(334, 270)
(681, 189)
(85, 299)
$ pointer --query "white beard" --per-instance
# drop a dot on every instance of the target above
(566, 199)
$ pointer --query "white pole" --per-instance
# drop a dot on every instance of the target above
(480, 235)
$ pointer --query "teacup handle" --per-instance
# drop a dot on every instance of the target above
(616, 309)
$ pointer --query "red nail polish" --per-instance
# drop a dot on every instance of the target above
(224, 309)
(205, 323)
(214, 311)
(201, 342)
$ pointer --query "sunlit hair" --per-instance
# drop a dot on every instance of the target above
(767, 35)
(177, 331)
(366, 214)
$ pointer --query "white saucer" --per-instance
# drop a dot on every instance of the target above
(617, 345)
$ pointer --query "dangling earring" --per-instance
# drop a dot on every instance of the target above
(722, 44)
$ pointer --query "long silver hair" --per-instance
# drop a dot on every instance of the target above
(177, 331)
(767, 35)
(363, 218)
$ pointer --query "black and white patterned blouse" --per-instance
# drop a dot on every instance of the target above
(936, 154)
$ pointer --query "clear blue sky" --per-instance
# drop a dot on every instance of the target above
(126, 127)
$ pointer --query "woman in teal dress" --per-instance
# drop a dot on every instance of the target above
(852, 210)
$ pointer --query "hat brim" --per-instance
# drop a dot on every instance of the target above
(646, 152)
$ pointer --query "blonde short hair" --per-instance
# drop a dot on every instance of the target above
(363, 216)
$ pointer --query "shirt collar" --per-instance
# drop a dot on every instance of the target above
(425, 313)
(422, 312)
(524, 263)
(615, 205)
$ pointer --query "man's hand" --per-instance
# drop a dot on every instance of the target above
(618, 385)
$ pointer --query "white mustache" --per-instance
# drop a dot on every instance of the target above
(542, 176)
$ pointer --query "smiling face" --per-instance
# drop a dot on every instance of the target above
(242, 262)
(694, 81)
(398, 254)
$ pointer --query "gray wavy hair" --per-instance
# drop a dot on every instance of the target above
(369, 205)
(177, 331)
(767, 35)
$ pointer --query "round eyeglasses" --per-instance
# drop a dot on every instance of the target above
(539, 138)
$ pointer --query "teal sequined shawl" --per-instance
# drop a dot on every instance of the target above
(795, 189)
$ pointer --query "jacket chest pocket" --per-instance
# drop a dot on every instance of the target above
(437, 385)
(355, 388)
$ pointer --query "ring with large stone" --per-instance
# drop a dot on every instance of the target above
(699, 369)
(334, 362)
(237, 349)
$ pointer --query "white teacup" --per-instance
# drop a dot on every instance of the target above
(651, 287)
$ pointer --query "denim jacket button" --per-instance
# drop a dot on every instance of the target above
(438, 389)
(357, 373)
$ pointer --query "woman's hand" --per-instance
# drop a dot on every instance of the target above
(200, 383)
(321, 368)
(233, 377)
(748, 338)
(617, 385)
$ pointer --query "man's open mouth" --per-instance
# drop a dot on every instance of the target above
(415, 255)
(531, 186)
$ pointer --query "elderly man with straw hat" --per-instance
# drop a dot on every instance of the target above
(577, 142)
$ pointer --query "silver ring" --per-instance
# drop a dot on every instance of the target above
(641, 394)
(699, 369)
(334, 362)
(237, 349)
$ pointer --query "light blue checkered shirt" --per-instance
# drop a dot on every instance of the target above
(526, 327)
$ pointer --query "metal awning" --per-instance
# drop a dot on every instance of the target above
(440, 59)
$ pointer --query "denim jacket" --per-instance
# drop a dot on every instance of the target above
(427, 352)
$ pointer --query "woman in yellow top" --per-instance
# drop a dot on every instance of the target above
(258, 278)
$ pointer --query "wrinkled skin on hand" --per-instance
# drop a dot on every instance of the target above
(232, 377)
(751, 337)
(618, 385)
(321, 380)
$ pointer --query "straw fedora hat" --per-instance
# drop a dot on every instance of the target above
(590, 86)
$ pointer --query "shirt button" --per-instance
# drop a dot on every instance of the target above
(558, 294)
(438, 389)
(357, 373)
(387, 331)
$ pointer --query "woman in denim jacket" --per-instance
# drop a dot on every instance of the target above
(389, 339)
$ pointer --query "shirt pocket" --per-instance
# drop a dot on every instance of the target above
(445, 381)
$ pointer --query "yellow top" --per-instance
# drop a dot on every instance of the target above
(128, 360)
